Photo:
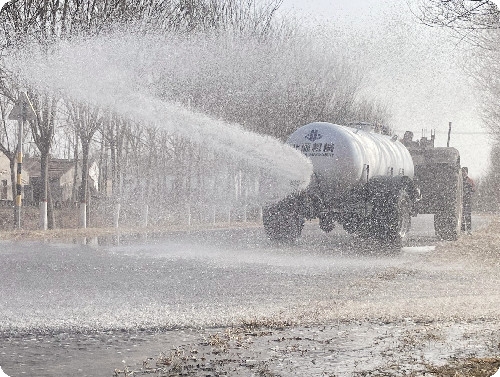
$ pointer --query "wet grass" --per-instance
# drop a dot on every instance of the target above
(261, 351)
(471, 367)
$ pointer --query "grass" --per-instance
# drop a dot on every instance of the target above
(99, 224)
(472, 367)
(92, 232)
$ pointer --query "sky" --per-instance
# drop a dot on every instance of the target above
(414, 69)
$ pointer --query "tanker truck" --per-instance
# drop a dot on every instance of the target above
(370, 183)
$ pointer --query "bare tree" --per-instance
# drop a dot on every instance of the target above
(87, 121)
(8, 145)
(42, 130)
(468, 18)
(271, 87)
(114, 133)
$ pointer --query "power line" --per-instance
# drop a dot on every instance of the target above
(456, 132)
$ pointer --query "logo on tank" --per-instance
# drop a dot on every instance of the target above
(313, 135)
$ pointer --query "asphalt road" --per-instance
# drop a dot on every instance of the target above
(71, 309)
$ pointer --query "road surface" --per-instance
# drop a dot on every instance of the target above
(84, 310)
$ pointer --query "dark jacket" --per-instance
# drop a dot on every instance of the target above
(469, 188)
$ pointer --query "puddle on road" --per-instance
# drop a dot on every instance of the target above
(343, 349)
(418, 249)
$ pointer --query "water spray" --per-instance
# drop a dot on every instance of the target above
(116, 72)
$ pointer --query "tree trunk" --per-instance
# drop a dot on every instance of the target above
(13, 182)
(44, 176)
(74, 191)
(51, 223)
(103, 169)
(114, 183)
(84, 185)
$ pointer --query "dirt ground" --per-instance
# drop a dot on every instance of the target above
(365, 348)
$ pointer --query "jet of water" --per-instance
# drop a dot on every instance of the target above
(116, 72)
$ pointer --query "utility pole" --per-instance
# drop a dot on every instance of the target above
(449, 134)
(22, 111)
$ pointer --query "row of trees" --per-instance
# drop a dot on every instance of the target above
(255, 69)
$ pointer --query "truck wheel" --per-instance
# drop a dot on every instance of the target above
(361, 227)
(448, 220)
(282, 222)
(392, 218)
(401, 219)
(352, 224)
(326, 223)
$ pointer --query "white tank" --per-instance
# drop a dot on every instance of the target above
(341, 154)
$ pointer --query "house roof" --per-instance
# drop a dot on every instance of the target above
(57, 166)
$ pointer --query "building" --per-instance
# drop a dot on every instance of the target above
(5, 178)
(62, 179)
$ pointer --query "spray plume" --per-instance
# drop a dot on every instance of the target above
(120, 72)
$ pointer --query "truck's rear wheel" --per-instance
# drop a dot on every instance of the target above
(400, 223)
(448, 220)
(282, 222)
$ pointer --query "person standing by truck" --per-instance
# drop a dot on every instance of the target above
(469, 187)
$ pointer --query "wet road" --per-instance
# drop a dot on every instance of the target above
(81, 308)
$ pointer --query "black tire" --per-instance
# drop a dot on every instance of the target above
(448, 220)
(351, 224)
(326, 223)
(401, 219)
(356, 225)
(391, 218)
(282, 221)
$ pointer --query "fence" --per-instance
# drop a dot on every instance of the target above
(101, 213)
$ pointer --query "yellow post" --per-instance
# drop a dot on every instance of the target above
(22, 111)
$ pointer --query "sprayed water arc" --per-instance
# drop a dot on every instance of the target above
(119, 72)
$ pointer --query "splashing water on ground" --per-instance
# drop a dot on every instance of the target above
(119, 72)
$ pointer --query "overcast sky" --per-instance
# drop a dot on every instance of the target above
(330, 9)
